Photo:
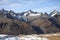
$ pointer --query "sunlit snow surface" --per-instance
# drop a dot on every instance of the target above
(10, 37)
(53, 14)
(31, 14)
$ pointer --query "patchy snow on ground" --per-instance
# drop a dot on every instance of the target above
(53, 14)
(8, 37)
(33, 38)
(29, 37)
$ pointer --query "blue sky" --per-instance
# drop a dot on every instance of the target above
(35, 5)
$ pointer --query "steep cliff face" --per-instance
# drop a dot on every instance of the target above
(45, 25)
(14, 26)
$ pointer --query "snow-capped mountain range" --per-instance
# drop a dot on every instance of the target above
(28, 15)
(29, 22)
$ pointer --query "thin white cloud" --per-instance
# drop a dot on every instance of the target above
(46, 9)
(36, 5)
(4, 2)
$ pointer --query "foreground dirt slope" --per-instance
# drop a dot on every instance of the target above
(14, 26)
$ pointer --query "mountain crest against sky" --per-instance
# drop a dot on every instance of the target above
(54, 13)
(33, 23)
(30, 11)
(35, 5)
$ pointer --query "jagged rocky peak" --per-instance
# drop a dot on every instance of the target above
(54, 13)
(8, 14)
(12, 13)
(46, 13)
(30, 11)
(3, 11)
(27, 12)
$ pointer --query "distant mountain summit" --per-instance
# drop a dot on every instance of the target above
(30, 11)
(54, 13)
(26, 16)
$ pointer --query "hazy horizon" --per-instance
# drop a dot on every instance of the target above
(34, 5)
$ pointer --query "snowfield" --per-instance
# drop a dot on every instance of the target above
(31, 37)
(53, 14)
(7, 37)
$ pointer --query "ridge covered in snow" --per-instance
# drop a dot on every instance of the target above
(26, 15)
(53, 14)
(29, 37)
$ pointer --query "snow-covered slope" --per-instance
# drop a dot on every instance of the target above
(8, 37)
(34, 14)
(53, 14)
(30, 15)
(22, 16)
(27, 15)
